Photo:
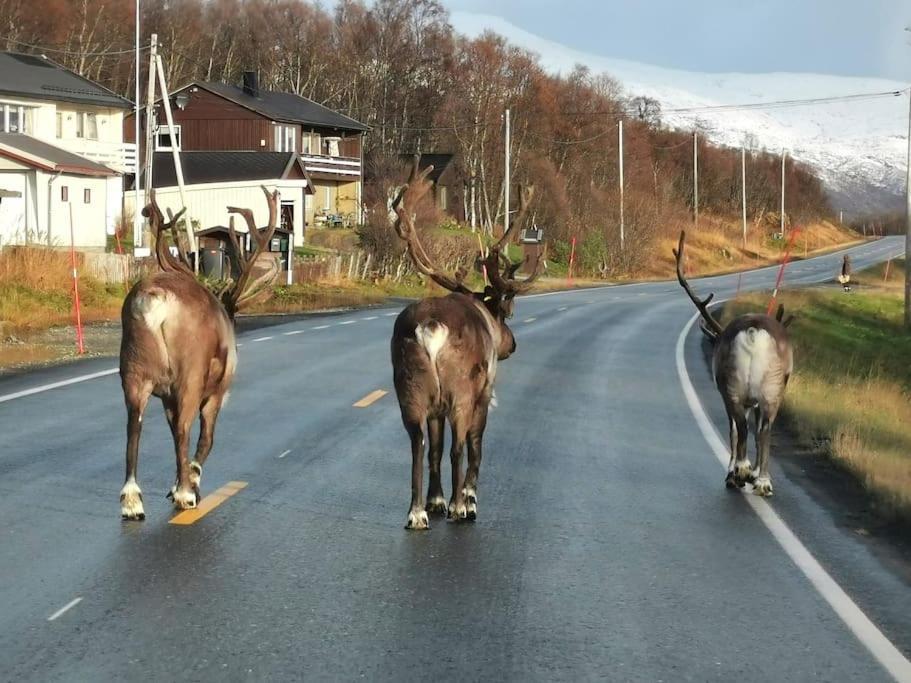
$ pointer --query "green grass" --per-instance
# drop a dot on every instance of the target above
(851, 388)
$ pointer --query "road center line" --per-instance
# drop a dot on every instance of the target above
(63, 610)
(284, 454)
(288, 334)
(372, 317)
(389, 315)
(320, 327)
(854, 618)
(259, 339)
(207, 504)
(348, 322)
(57, 385)
(370, 398)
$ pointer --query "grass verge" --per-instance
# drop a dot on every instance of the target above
(851, 390)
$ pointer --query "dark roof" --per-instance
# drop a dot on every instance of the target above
(287, 107)
(440, 163)
(39, 77)
(221, 167)
(35, 152)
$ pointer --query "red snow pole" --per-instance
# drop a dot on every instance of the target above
(784, 263)
(80, 340)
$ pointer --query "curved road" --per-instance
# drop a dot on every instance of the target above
(607, 546)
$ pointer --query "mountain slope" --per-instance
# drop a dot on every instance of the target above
(858, 147)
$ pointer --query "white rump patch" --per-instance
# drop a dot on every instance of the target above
(754, 353)
(432, 337)
(154, 308)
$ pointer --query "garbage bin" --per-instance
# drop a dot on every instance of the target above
(213, 260)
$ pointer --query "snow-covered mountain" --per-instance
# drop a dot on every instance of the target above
(858, 147)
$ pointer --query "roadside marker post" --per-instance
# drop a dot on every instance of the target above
(572, 259)
(80, 340)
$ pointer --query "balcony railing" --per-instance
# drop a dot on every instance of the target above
(349, 167)
(120, 156)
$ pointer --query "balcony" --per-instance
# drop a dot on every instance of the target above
(119, 156)
(341, 168)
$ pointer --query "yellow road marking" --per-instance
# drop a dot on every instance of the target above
(372, 397)
(209, 503)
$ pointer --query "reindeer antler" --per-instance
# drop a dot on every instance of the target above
(701, 304)
(407, 198)
(243, 291)
(505, 281)
(166, 260)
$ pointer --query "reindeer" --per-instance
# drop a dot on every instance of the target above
(752, 363)
(178, 344)
(445, 352)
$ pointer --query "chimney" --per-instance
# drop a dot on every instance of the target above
(251, 83)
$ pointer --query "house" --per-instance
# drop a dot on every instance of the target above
(446, 186)
(217, 117)
(214, 180)
(61, 154)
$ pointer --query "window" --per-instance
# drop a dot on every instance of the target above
(87, 196)
(285, 138)
(287, 215)
(15, 118)
(91, 126)
(64, 193)
(166, 139)
(59, 124)
(80, 125)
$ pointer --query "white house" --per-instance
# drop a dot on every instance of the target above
(61, 154)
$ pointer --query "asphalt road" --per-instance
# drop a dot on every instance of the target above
(606, 547)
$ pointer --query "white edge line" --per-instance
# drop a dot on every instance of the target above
(57, 385)
(882, 649)
(288, 334)
(284, 454)
(66, 608)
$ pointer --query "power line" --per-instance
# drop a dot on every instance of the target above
(56, 50)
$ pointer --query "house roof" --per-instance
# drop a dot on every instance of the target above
(287, 107)
(440, 163)
(40, 78)
(39, 154)
(224, 167)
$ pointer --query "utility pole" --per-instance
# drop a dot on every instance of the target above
(137, 216)
(743, 191)
(150, 118)
(622, 228)
(695, 180)
(506, 180)
(784, 154)
(908, 225)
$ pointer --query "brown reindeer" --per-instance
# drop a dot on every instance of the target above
(752, 363)
(178, 344)
(444, 360)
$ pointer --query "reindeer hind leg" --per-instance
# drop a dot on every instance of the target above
(136, 397)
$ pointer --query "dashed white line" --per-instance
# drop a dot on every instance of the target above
(348, 322)
(63, 610)
(841, 603)
(284, 454)
(562, 308)
(320, 327)
(288, 334)
(389, 315)
(259, 339)
(529, 320)
(57, 385)
(372, 317)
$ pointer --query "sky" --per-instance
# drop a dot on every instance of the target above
(840, 37)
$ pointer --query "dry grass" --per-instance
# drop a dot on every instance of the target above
(717, 247)
(851, 390)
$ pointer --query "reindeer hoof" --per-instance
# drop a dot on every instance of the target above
(183, 499)
(418, 521)
(195, 475)
(131, 502)
(762, 487)
(458, 512)
(471, 503)
(436, 506)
